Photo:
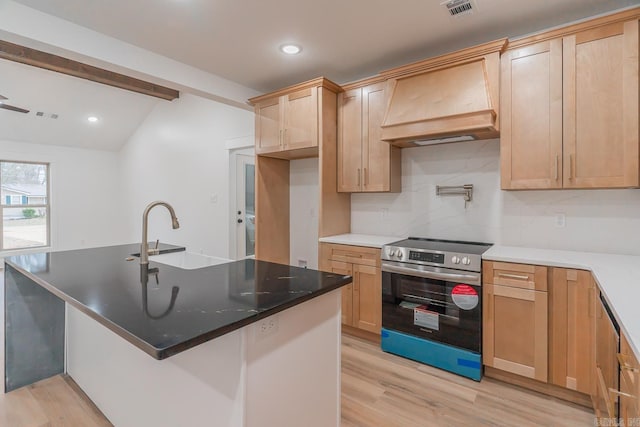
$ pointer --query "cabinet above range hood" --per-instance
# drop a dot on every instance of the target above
(449, 98)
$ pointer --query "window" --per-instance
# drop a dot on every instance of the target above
(24, 205)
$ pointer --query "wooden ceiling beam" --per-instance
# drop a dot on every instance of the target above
(48, 61)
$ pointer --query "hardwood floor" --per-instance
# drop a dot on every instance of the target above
(378, 390)
(54, 402)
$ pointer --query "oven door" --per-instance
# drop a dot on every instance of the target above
(433, 303)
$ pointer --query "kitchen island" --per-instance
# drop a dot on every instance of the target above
(241, 343)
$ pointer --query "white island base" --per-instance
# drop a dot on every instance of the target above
(290, 377)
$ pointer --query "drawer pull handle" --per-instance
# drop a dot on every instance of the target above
(620, 393)
(354, 255)
(622, 359)
(513, 276)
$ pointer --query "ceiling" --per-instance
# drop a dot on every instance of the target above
(343, 40)
(120, 112)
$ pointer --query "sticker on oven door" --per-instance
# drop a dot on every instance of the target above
(425, 318)
(465, 297)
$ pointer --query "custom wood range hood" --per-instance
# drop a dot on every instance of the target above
(448, 98)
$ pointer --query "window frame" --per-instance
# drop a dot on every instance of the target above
(45, 206)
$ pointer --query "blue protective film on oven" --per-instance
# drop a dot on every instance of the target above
(452, 359)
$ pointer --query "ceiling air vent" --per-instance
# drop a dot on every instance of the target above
(459, 7)
(47, 115)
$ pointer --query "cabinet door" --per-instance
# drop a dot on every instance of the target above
(531, 111)
(381, 160)
(629, 386)
(601, 107)
(301, 119)
(345, 269)
(607, 342)
(367, 298)
(515, 330)
(572, 330)
(268, 130)
(350, 141)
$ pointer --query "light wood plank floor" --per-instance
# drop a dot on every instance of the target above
(378, 390)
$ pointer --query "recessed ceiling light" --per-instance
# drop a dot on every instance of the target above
(291, 49)
(92, 119)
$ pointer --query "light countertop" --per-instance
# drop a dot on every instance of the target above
(367, 240)
(618, 277)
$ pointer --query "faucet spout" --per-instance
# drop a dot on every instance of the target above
(144, 247)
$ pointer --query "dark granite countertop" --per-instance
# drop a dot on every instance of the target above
(162, 309)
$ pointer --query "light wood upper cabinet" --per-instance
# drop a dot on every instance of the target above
(531, 135)
(288, 121)
(572, 330)
(601, 107)
(569, 109)
(365, 162)
(515, 318)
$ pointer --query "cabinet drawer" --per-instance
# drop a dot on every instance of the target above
(523, 276)
(353, 254)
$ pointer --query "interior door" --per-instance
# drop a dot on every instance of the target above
(245, 219)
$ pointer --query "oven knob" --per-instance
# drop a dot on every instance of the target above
(466, 261)
(455, 260)
(399, 254)
(391, 252)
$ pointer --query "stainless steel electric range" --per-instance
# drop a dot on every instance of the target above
(432, 303)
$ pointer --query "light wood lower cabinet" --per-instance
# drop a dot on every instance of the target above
(515, 319)
(606, 366)
(629, 384)
(362, 300)
(572, 297)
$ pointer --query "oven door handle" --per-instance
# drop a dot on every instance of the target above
(474, 278)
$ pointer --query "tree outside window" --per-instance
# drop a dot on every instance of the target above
(24, 205)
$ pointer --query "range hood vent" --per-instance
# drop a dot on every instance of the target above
(445, 140)
(448, 96)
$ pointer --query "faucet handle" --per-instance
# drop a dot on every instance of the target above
(157, 243)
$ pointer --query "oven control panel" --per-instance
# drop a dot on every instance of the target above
(458, 261)
(426, 257)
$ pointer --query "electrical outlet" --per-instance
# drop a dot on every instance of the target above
(385, 213)
(560, 220)
(266, 327)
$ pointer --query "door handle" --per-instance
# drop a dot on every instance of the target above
(239, 221)
(570, 166)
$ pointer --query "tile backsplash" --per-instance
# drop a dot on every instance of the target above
(584, 220)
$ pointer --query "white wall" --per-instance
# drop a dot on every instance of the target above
(596, 220)
(86, 198)
(304, 199)
(178, 155)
